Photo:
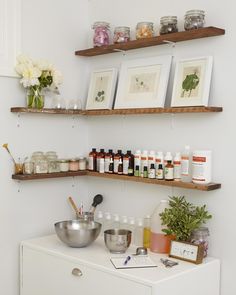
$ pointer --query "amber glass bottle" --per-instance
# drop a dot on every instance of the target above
(108, 157)
(117, 158)
(100, 155)
(92, 160)
(128, 164)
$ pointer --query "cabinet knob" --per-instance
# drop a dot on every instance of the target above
(77, 272)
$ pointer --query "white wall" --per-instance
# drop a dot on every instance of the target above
(54, 30)
(172, 132)
(51, 30)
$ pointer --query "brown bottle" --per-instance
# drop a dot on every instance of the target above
(100, 155)
(92, 165)
(117, 158)
(108, 157)
(169, 171)
(128, 164)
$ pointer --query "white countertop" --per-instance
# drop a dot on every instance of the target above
(97, 256)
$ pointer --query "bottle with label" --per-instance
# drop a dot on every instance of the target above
(144, 162)
(186, 165)
(169, 171)
(120, 167)
(202, 167)
(100, 156)
(117, 158)
(107, 160)
(92, 160)
(159, 241)
(138, 233)
(151, 159)
(177, 167)
(111, 166)
(128, 163)
(145, 172)
(159, 159)
(146, 231)
(152, 171)
(137, 162)
(102, 165)
(160, 172)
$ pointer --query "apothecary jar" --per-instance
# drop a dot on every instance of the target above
(194, 19)
(201, 236)
(101, 34)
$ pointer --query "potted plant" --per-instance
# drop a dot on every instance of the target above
(182, 217)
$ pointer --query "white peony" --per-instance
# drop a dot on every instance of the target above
(30, 75)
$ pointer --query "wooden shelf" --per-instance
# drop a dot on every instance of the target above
(47, 175)
(138, 111)
(202, 187)
(159, 40)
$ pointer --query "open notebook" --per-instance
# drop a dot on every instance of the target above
(134, 262)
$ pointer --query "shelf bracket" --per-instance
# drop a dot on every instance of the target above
(120, 50)
(169, 42)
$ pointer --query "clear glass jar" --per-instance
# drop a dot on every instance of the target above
(82, 163)
(74, 165)
(144, 30)
(201, 236)
(53, 166)
(40, 165)
(194, 19)
(168, 25)
(121, 35)
(64, 165)
(101, 34)
(28, 167)
(51, 154)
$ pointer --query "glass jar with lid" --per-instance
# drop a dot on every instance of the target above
(82, 163)
(64, 165)
(168, 25)
(40, 165)
(121, 35)
(201, 236)
(74, 164)
(144, 30)
(194, 19)
(101, 34)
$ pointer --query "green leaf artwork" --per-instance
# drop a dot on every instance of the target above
(100, 96)
(190, 83)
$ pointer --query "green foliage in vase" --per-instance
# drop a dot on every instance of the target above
(190, 83)
(182, 217)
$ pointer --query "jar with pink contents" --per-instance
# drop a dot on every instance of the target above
(101, 34)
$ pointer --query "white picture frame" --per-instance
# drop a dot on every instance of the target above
(143, 82)
(10, 36)
(102, 89)
(196, 74)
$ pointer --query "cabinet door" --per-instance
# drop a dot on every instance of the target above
(45, 274)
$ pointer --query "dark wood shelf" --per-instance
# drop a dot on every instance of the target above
(139, 111)
(202, 187)
(48, 175)
(159, 40)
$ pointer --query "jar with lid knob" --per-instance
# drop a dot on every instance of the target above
(168, 25)
(101, 34)
(194, 19)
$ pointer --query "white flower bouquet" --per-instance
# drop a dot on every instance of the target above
(36, 76)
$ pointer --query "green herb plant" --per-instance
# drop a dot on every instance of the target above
(182, 217)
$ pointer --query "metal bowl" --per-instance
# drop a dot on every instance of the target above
(77, 233)
(117, 240)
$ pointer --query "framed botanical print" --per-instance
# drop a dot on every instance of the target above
(192, 82)
(143, 82)
(101, 89)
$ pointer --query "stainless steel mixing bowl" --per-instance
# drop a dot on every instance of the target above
(117, 240)
(77, 233)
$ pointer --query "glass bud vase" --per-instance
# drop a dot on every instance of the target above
(35, 98)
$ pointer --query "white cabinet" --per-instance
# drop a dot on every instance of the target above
(50, 268)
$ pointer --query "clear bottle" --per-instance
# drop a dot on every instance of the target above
(159, 241)
(131, 227)
(144, 30)
(92, 160)
(200, 236)
(107, 224)
(168, 25)
(116, 221)
(121, 35)
(100, 218)
(186, 165)
(124, 222)
(146, 231)
(144, 162)
(101, 34)
(138, 233)
(177, 167)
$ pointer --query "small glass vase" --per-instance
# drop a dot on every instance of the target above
(35, 98)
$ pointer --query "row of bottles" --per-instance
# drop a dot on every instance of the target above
(186, 166)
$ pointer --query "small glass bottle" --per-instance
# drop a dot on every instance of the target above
(100, 218)
(111, 166)
(116, 221)
(138, 233)
(201, 236)
(168, 25)
(194, 19)
(100, 155)
(124, 222)
(107, 224)
(169, 171)
(160, 172)
(108, 157)
(146, 231)
(145, 172)
(92, 160)
(101, 34)
(144, 30)
(121, 35)
(120, 167)
(152, 171)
